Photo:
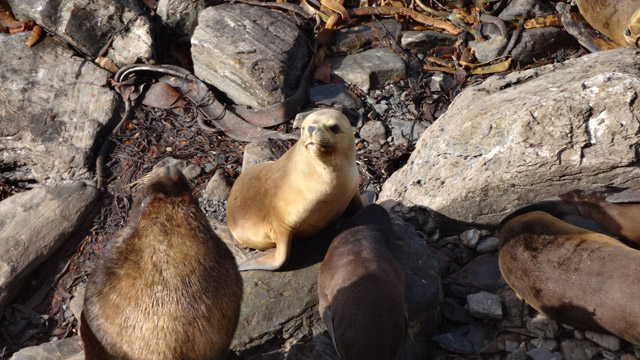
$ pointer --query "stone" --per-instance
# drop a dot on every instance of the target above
(519, 354)
(543, 326)
(34, 224)
(255, 55)
(276, 307)
(352, 38)
(77, 302)
(192, 171)
(334, 95)
(180, 16)
(484, 305)
(545, 343)
(541, 42)
(63, 349)
(369, 69)
(490, 49)
(374, 132)
(219, 187)
(258, 152)
(50, 120)
(405, 132)
(543, 354)
(488, 245)
(481, 274)
(628, 357)
(568, 125)
(607, 341)
(573, 349)
(425, 39)
(453, 342)
(455, 312)
(470, 238)
(524, 8)
(609, 355)
(88, 25)
(440, 81)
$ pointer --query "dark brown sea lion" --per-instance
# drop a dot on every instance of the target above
(617, 19)
(296, 196)
(573, 275)
(361, 289)
(616, 209)
(167, 287)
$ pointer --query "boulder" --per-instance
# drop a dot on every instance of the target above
(527, 136)
(88, 25)
(49, 131)
(33, 224)
(255, 55)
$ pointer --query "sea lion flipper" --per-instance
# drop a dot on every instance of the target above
(271, 261)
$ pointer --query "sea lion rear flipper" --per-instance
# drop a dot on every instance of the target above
(273, 260)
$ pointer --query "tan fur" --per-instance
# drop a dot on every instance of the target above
(309, 187)
(573, 275)
(167, 286)
(612, 18)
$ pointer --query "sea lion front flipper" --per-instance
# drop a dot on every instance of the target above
(273, 260)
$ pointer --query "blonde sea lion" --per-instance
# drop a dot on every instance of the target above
(305, 190)
(617, 19)
(361, 289)
(167, 287)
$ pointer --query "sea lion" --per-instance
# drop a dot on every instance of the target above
(573, 275)
(615, 209)
(167, 287)
(361, 289)
(308, 188)
(617, 19)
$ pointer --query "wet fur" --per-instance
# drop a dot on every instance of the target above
(167, 287)
(361, 289)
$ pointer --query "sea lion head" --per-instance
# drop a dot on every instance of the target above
(632, 32)
(326, 132)
(161, 183)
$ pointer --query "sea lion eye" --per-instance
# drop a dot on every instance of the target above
(627, 32)
(334, 128)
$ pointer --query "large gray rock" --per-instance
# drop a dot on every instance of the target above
(279, 309)
(88, 24)
(254, 55)
(49, 120)
(33, 224)
(527, 136)
(64, 349)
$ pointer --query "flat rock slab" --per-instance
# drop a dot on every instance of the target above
(280, 309)
(33, 224)
(49, 119)
(369, 69)
(88, 24)
(64, 349)
(528, 136)
(255, 55)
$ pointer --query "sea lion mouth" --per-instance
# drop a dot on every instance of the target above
(317, 146)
